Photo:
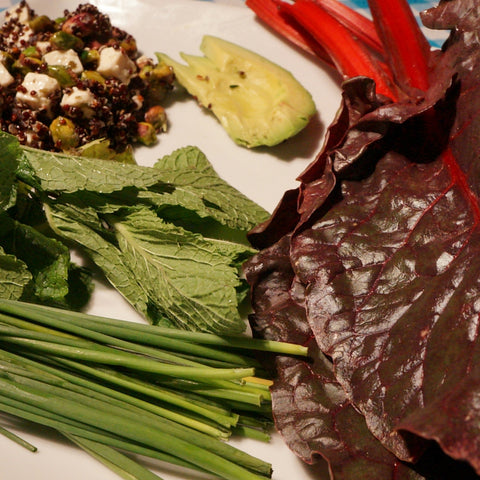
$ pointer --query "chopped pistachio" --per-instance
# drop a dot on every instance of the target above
(40, 23)
(93, 76)
(146, 133)
(65, 41)
(90, 58)
(31, 51)
(63, 133)
(61, 74)
(157, 117)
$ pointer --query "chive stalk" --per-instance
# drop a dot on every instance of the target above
(153, 334)
(143, 391)
(103, 417)
(18, 440)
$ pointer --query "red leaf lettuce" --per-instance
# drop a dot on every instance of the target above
(374, 261)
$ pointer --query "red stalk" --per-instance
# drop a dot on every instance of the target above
(268, 12)
(336, 29)
(409, 52)
(350, 56)
(404, 43)
(357, 23)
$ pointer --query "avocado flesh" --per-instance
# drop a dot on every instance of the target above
(255, 100)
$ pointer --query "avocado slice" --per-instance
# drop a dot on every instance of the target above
(256, 101)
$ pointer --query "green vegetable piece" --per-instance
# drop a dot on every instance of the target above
(156, 116)
(25, 64)
(41, 23)
(63, 133)
(92, 75)
(151, 73)
(256, 101)
(61, 74)
(65, 41)
(146, 133)
(31, 51)
(89, 58)
(100, 148)
(159, 79)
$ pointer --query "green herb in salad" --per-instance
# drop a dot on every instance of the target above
(170, 238)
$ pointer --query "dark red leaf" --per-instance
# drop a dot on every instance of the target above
(311, 410)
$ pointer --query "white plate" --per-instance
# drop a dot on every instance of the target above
(172, 26)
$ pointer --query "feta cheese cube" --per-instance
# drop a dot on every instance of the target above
(64, 58)
(21, 13)
(115, 63)
(38, 88)
(5, 78)
(82, 99)
(43, 47)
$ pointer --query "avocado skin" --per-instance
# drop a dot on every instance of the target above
(257, 102)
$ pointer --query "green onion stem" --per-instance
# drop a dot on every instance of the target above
(18, 440)
(114, 460)
(154, 332)
(88, 327)
(223, 417)
(107, 384)
(249, 432)
(124, 426)
(48, 419)
(76, 331)
(125, 360)
(57, 377)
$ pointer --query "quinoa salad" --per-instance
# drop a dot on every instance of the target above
(69, 81)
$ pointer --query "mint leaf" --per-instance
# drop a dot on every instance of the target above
(199, 188)
(55, 172)
(9, 152)
(14, 276)
(66, 221)
(187, 276)
(170, 238)
(46, 259)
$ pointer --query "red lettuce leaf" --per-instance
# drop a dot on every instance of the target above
(311, 410)
(385, 250)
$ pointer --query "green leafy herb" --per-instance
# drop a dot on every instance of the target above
(170, 238)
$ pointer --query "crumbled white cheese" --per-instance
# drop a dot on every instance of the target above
(43, 47)
(82, 99)
(25, 36)
(115, 63)
(21, 13)
(65, 58)
(38, 88)
(5, 78)
(19, 34)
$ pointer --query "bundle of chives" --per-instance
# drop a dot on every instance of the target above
(112, 385)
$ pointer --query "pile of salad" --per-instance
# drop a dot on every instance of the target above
(68, 81)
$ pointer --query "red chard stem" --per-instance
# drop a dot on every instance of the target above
(268, 12)
(404, 43)
(350, 57)
(357, 23)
